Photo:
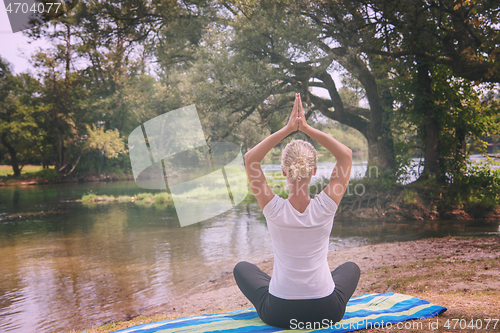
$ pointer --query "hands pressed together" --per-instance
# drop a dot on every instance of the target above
(297, 120)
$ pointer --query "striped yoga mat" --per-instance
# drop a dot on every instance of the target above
(385, 311)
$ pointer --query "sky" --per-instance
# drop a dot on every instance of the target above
(12, 45)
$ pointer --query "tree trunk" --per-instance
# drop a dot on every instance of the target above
(381, 156)
(431, 153)
(380, 153)
(424, 101)
(68, 51)
(460, 148)
(13, 156)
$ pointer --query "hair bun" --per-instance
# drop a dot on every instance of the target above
(299, 159)
(300, 168)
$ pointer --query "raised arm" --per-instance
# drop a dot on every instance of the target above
(254, 156)
(339, 178)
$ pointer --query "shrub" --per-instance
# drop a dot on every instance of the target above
(478, 188)
(162, 198)
(142, 196)
(91, 197)
(47, 174)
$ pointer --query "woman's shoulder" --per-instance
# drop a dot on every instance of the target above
(273, 206)
(322, 199)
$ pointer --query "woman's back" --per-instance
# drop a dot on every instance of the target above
(300, 243)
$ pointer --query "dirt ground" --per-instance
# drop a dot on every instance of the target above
(461, 274)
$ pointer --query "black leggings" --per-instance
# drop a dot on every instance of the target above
(285, 313)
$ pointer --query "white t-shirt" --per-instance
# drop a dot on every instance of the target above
(300, 243)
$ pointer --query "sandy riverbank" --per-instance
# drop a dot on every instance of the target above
(462, 274)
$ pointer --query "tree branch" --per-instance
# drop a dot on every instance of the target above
(349, 119)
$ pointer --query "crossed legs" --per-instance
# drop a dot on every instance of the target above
(254, 284)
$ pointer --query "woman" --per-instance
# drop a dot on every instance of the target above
(302, 291)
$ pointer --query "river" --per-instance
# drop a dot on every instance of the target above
(67, 265)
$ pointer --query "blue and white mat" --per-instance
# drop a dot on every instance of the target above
(369, 311)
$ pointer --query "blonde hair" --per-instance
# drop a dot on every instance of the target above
(298, 160)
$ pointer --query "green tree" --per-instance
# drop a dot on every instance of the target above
(113, 90)
(297, 43)
(422, 39)
(19, 132)
(108, 143)
(460, 114)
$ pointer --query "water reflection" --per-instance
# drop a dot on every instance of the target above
(65, 265)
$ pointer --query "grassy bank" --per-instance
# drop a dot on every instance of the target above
(36, 175)
(30, 174)
(142, 198)
(6, 170)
